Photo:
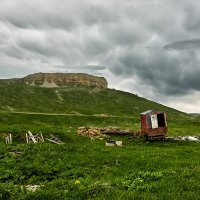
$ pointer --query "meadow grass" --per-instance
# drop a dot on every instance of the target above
(86, 169)
(21, 123)
(82, 168)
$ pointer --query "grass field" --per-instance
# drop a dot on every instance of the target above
(82, 168)
(87, 169)
(47, 123)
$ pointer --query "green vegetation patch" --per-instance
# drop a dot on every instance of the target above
(87, 169)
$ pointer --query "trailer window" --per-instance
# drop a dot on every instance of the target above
(161, 120)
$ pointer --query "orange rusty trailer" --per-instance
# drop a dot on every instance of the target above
(153, 125)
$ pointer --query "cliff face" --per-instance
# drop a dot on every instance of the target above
(62, 79)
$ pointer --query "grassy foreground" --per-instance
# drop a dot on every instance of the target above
(87, 169)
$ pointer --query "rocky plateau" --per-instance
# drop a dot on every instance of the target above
(62, 79)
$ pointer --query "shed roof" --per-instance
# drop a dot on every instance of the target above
(149, 111)
(146, 112)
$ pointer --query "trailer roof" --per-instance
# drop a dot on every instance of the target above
(146, 112)
(149, 111)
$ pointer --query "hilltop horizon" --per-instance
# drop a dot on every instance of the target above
(89, 74)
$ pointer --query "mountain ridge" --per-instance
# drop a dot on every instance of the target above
(51, 80)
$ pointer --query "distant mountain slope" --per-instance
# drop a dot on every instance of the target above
(51, 80)
(18, 97)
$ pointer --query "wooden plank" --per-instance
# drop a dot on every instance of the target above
(32, 137)
(53, 141)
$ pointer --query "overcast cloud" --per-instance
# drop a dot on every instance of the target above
(148, 47)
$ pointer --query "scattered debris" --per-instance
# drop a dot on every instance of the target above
(34, 138)
(118, 143)
(188, 138)
(8, 139)
(15, 153)
(55, 140)
(112, 143)
(95, 132)
(31, 188)
(91, 132)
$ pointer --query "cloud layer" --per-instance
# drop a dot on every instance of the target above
(149, 47)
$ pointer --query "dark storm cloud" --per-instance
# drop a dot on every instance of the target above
(168, 72)
(143, 44)
(13, 51)
(187, 44)
(34, 14)
(191, 21)
(49, 14)
(40, 22)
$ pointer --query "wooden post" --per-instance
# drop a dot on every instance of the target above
(32, 137)
(8, 139)
(27, 139)
(41, 136)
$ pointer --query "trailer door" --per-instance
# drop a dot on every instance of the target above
(154, 121)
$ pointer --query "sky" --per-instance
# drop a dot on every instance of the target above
(147, 47)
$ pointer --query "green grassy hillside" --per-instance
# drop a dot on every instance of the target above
(87, 101)
(25, 107)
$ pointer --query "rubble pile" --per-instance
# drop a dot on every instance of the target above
(91, 132)
(95, 132)
(188, 138)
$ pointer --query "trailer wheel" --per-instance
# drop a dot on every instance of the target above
(162, 138)
(146, 138)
